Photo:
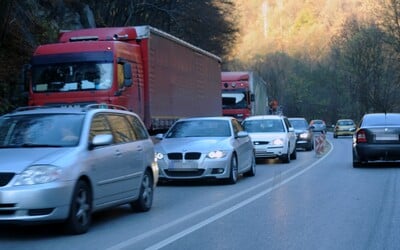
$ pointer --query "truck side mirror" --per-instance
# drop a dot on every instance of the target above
(252, 98)
(127, 75)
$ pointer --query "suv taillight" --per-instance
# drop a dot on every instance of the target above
(361, 136)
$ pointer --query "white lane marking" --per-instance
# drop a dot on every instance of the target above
(199, 225)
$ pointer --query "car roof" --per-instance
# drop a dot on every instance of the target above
(264, 117)
(33, 110)
(297, 118)
(345, 120)
(223, 118)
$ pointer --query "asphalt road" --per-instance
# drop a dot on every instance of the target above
(315, 202)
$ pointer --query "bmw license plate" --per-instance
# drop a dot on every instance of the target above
(182, 165)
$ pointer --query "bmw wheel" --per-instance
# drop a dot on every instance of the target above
(252, 171)
(233, 172)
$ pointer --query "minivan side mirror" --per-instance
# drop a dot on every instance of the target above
(101, 140)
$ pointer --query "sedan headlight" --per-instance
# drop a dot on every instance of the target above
(38, 174)
(304, 135)
(159, 156)
(217, 154)
(277, 142)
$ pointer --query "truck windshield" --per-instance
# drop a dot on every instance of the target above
(234, 100)
(71, 76)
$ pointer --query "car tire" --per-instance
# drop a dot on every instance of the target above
(293, 156)
(233, 171)
(145, 199)
(80, 212)
(335, 136)
(285, 158)
(252, 171)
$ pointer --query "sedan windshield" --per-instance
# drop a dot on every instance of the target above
(260, 126)
(40, 130)
(200, 128)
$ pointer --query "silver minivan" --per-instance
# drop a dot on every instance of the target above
(63, 164)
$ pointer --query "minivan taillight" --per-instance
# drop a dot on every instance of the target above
(361, 136)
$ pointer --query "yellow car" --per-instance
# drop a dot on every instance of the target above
(344, 127)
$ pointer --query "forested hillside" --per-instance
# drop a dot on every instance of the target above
(294, 27)
(323, 59)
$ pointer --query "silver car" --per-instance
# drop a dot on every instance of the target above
(273, 136)
(205, 147)
(63, 164)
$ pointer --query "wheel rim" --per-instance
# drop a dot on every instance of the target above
(82, 207)
(147, 190)
(234, 169)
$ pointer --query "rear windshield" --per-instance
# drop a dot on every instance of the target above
(345, 123)
(381, 120)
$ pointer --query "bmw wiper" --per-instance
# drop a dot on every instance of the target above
(33, 145)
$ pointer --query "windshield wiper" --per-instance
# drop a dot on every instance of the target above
(33, 145)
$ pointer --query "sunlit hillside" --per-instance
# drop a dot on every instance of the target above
(292, 26)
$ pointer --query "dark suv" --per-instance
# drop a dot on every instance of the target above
(63, 164)
(305, 137)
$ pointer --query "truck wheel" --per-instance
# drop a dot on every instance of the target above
(145, 199)
(80, 212)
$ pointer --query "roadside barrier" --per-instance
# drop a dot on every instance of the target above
(319, 144)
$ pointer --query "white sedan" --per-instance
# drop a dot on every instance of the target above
(273, 137)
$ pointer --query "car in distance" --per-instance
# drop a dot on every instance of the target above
(377, 139)
(205, 148)
(63, 164)
(273, 136)
(318, 126)
(305, 136)
(344, 127)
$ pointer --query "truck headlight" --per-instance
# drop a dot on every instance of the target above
(38, 174)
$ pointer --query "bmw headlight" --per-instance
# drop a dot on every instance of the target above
(217, 154)
(38, 174)
(159, 156)
(277, 142)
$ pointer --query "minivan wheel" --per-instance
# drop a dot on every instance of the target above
(145, 199)
(80, 212)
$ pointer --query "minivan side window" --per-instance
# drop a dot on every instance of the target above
(121, 128)
(139, 129)
(99, 126)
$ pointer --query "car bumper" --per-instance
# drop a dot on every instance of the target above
(42, 202)
(303, 143)
(343, 133)
(194, 169)
(376, 152)
(269, 152)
